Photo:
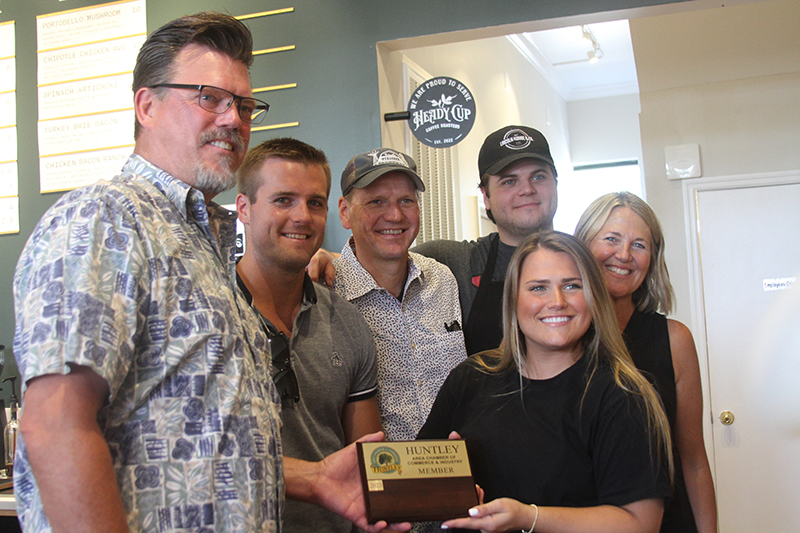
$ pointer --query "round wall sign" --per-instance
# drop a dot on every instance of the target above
(441, 112)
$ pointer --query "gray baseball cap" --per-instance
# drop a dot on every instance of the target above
(365, 168)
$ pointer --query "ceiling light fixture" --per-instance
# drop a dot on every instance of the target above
(592, 56)
(596, 53)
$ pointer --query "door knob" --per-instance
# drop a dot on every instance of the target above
(726, 417)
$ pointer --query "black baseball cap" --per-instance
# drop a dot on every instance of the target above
(509, 144)
(365, 168)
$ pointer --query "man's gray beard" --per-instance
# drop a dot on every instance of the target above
(215, 182)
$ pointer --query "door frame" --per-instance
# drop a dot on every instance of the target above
(691, 188)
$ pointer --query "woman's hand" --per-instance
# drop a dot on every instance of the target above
(502, 514)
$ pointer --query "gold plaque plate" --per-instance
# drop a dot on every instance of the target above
(416, 480)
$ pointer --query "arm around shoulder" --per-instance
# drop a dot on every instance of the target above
(321, 268)
(689, 428)
(442, 250)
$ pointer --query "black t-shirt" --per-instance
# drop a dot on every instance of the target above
(552, 445)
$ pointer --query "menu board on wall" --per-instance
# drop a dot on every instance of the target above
(9, 204)
(85, 63)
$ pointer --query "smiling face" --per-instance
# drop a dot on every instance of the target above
(198, 147)
(551, 309)
(384, 218)
(522, 198)
(285, 225)
(622, 249)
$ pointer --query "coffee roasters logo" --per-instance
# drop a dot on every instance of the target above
(441, 112)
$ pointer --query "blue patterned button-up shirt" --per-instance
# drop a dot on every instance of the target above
(134, 278)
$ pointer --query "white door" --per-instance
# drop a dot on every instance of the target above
(748, 233)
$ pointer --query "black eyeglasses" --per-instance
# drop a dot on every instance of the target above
(218, 101)
(282, 372)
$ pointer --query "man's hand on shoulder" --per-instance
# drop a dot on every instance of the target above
(321, 269)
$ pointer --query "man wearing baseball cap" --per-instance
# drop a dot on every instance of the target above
(518, 182)
(409, 301)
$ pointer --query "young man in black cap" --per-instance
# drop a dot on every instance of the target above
(518, 182)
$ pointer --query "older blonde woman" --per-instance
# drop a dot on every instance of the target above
(564, 434)
(624, 235)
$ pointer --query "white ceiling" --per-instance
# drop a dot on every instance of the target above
(561, 57)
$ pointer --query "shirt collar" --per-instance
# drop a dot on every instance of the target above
(356, 281)
(309, 291)
(181, 195)
(219, 223)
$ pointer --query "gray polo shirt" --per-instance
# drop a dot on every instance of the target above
(333, 357)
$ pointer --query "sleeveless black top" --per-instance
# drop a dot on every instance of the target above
(647, 339)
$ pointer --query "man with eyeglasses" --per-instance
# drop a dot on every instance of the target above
(323, 354)
(148, 403)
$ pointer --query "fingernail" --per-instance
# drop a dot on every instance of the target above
(445, 527)
(473, 512)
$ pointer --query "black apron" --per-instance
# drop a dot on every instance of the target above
(484, 327)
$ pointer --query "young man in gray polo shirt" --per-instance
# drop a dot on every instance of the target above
(324, 362)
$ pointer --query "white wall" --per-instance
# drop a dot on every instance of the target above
(747, 123)
(604, 129)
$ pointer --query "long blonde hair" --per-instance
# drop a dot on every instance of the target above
(602, 342)
(655, 293)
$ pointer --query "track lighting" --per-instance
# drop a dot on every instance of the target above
(596, 53)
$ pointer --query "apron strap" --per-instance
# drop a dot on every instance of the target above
(483, 329)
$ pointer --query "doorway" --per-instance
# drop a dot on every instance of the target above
(744, 259)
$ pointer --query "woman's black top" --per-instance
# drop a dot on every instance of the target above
(552, 444)
(647, 339)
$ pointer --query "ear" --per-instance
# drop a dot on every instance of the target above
(344, 213)
(144, 102)
(486, 200)
(243, 208)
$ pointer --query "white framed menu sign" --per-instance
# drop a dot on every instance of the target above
(85, 60)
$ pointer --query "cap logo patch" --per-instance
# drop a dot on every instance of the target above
(516, 139)
(387, 157)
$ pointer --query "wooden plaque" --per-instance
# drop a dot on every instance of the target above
(415, 481)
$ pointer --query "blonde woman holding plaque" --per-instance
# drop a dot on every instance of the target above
(564, 434)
